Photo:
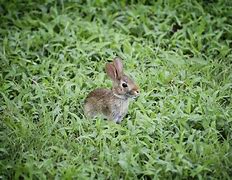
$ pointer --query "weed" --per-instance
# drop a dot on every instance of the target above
(53, 54)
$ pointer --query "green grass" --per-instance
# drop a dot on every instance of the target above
(53, 54)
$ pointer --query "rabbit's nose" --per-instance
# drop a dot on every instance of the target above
(136, 92)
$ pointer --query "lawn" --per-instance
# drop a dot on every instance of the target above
(53, 53)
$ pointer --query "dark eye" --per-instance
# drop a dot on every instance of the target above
(124, 85)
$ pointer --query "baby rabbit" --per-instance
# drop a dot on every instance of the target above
(113, 104)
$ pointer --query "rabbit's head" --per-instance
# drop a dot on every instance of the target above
(123, 86)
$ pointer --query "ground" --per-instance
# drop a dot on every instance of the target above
(53, 54)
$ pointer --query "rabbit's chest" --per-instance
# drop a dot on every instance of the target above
(120, 108)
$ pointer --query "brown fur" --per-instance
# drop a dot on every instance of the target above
(113, 104)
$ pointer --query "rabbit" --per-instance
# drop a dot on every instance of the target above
(112, 104)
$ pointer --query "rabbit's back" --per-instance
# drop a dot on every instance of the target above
(96, 102)
(98, 94)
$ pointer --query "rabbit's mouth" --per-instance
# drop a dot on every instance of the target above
(134, 97)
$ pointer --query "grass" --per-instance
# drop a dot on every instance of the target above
(53, 53)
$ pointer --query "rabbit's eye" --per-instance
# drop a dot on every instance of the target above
(124, 85)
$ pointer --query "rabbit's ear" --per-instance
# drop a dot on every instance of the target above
(111, 71)
(119, 67)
